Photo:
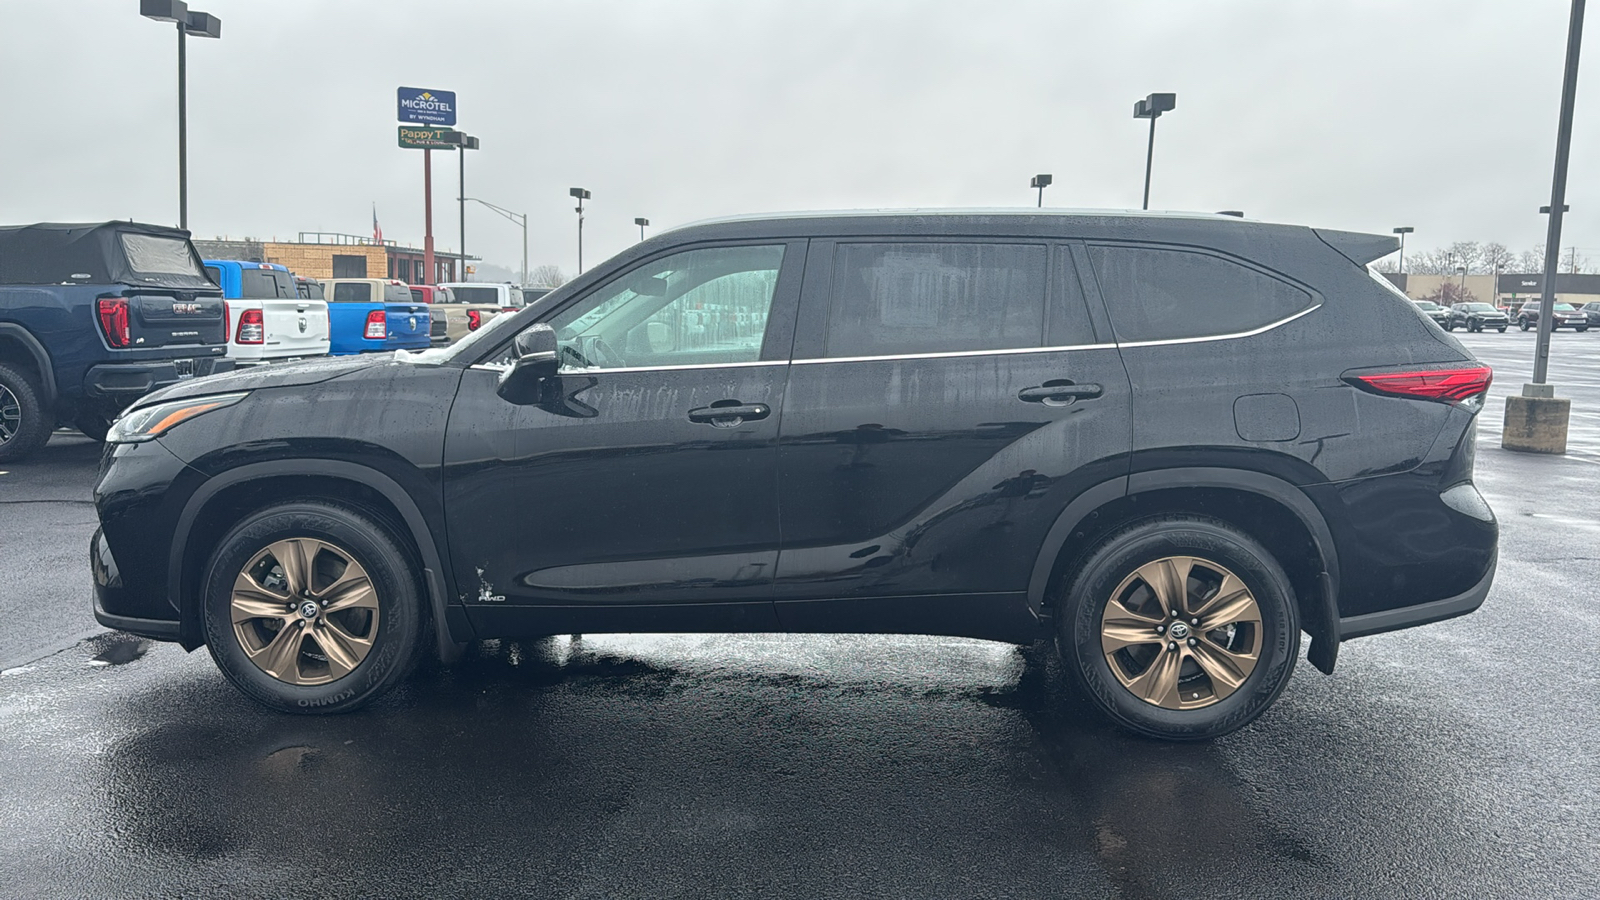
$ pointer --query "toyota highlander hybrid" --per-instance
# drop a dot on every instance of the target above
(1171, 443)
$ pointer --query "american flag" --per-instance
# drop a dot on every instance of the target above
(377, 230)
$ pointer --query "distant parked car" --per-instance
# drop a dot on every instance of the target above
(474, 303)
(1439, 314)
(375, 314)
(1591, 312)
(1565, 317)
(431, 294)
(93, 317)
(266, 317)
(1475, 317)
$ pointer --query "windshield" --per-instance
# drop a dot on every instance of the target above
(1428, 305)
(1477, 307)
(1564, 307)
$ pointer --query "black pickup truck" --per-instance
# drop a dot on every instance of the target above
(93, 317)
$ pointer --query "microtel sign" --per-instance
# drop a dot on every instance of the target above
(427, 107)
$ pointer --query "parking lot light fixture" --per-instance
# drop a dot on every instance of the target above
(580, 195)
(1151, 107)
(519, 218)
(189, 22)
(1403, 230)
(1041, 182)
(641, 222)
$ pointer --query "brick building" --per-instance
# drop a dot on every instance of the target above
(325, 255)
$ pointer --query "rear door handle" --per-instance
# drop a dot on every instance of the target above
(1059, 393)
(729, 413)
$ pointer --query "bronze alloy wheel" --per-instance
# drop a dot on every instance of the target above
(304, 611)
(1181, 632)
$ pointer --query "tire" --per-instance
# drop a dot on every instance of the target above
(1580, 328)
(1216, 550)
(1523, 324)
(1502, 329)
(25, 424)
(378, 635)
(1449, 326)
(92, 426)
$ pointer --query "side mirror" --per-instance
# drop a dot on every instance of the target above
(536, 360)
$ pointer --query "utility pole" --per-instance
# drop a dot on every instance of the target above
(427, 217)
(580, 195)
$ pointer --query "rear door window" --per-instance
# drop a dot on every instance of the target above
(1158, 294)
(479, 295)
(895, 299)
(352, 292)
(396, 293)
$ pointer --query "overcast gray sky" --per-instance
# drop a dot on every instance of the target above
(1363, 114)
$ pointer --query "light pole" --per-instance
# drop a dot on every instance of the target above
(581, 195)
(1537, 420)
(641, 222)
(1403, 230)
(1462, 270)
(466, 142)
(1041, 182)
(198, 24)
(519, 218)
(1151, 108)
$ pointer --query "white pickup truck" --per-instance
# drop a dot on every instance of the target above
(267, 319)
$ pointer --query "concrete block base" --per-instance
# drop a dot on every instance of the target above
(1536, 424)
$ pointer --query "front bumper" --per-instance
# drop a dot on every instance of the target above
(109, 589)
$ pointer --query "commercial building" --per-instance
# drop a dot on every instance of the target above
(317, 254)
(1509, 289)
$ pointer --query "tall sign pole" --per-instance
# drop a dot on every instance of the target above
(183, 128)
(427, 216)
(1537, 421)
(1558, 196)
(432, 108)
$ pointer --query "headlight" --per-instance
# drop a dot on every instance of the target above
(150, 422)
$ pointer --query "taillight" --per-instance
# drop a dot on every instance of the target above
(377, 326)
(114, 321)
(474, 320)
(1445, 385)
(252, 328)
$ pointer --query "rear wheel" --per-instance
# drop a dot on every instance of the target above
(25, 424)
(312, 608)
(1181, 628)
(1523, 324)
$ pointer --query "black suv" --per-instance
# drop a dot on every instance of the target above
(1171, 443)
(1475, 317)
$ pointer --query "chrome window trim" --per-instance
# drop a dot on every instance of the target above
(950, 354)
(1223, 337)
(491, 367)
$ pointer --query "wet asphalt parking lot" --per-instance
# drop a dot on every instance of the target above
(1455, 760)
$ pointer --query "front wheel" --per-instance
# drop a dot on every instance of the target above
(312, 608)
(25, 424)
(1502, 329)
(1449, 326)
(1523, 324)
(1580, 328)
(1181, 628)
(93, 427)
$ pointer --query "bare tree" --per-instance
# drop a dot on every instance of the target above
(547, 275)
(1465, 253)
(1495, 258)
(1531, 262)
(1430, 262)
(1449, 293)
(1389, 265)
(1576, 263)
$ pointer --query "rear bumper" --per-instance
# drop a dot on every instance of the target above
(1422, 613)
(122, 383)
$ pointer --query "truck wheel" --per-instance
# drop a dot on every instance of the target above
(1523, 324)
(24, 422)
(92, 426)
(1181, 628)
(312, 608)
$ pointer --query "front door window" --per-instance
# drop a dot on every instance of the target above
(696, 308)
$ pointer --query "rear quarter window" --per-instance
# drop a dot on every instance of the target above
(396, 293)
(1158, 294)
(266, 284)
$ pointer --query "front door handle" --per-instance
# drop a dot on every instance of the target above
(729, 413)
(1059, 393)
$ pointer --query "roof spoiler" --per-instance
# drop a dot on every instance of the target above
(1357, 247)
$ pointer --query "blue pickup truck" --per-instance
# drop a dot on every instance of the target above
(371, 315)
(93, 317)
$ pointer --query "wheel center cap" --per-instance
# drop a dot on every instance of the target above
(309, 609)
(1179, 631)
